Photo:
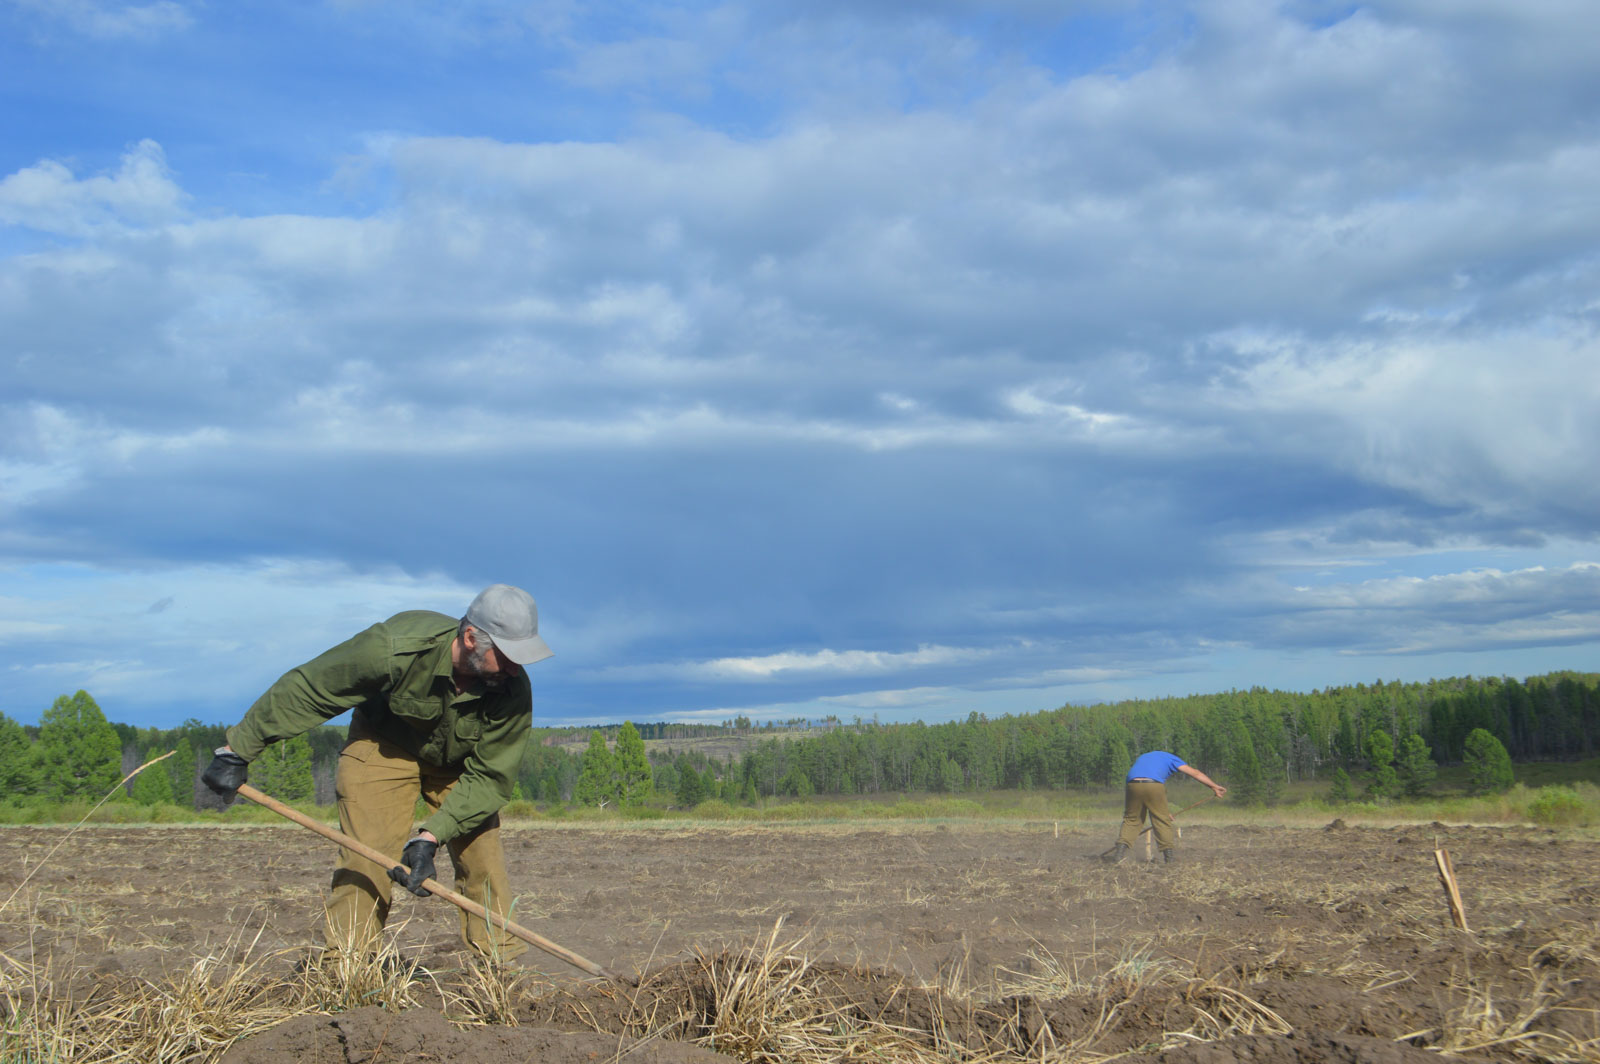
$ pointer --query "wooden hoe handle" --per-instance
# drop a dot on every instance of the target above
(434, 886)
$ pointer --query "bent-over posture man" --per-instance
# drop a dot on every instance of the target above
(441, 710)
(1146, 793)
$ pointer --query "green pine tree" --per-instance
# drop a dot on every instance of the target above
(284, 771)
(1488, 763)
(1415, 767)
(597, 780)
(795, 782)
(19, 761)
(1380, 752)
(950, 777)
(181, 772)
(1344, 740)
(691, 785)
(80, 755)
(1247, 782)
(633, 767)
(1343, 790)
(153, 786)
(1115, 762)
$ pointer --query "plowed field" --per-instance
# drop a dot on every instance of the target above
(993, 941)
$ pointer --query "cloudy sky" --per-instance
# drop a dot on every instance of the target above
(877, 359)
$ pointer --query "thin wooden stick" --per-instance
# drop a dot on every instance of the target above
(80, 824)
(1452, 892)
(1182, 811)
(434, 886)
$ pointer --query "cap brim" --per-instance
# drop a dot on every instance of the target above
(524, 651)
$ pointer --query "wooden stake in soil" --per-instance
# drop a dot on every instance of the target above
(1452, 893)
(435, 887)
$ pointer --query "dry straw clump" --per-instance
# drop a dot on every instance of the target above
(1534, 1022)
(192, 1015)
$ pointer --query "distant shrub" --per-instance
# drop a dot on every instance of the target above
(714, 809)
(935, 808)
(791, 811)
(519, 809)
(1558, 806)
(1488, 764)
(168, 813)
(953, 807)
(26, 810)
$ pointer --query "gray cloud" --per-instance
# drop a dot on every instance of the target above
(1072, 372)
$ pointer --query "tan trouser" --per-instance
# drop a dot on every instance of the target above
(1140, 797)
(378, 784)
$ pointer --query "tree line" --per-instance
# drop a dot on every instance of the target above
(75, 753)
(1392, 735)
(1259, 739)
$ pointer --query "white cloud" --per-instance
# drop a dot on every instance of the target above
(108, 20)
(53, 449)
(1438, 413)
(788, 665)
(834, 662)
(49, 198)
(229, 630)
(904, 698)
(1476, 610)
(1481, 589)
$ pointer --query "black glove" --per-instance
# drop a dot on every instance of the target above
(418, 856)
(226, 771)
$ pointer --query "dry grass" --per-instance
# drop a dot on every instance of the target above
(769, 1003)
(1086, 992)
(58, 1015)
(194, 1015)
(774, 1004)
(1528, 1022)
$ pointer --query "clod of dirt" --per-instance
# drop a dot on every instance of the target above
(369, 1035)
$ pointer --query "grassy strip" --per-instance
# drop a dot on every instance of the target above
(1573, 805)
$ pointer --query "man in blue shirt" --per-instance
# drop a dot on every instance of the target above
(1146, 792)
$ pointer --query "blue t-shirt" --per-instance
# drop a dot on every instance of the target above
(1156, 765)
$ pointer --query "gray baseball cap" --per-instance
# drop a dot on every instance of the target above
(509, 616)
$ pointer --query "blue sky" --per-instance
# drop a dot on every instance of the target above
(901, 360)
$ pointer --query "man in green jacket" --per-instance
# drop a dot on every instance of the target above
(441, 710)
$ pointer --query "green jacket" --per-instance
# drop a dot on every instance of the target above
(397, 674)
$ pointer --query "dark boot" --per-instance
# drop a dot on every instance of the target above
(1169, 856)
(1115, 854)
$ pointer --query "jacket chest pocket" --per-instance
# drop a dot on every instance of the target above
(468, 729)
(418, 712)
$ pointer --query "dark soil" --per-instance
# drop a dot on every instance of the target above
(1263, 944)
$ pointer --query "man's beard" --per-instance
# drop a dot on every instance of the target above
(478, 661)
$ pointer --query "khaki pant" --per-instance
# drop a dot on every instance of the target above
(1141, 797)
(378, 784)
